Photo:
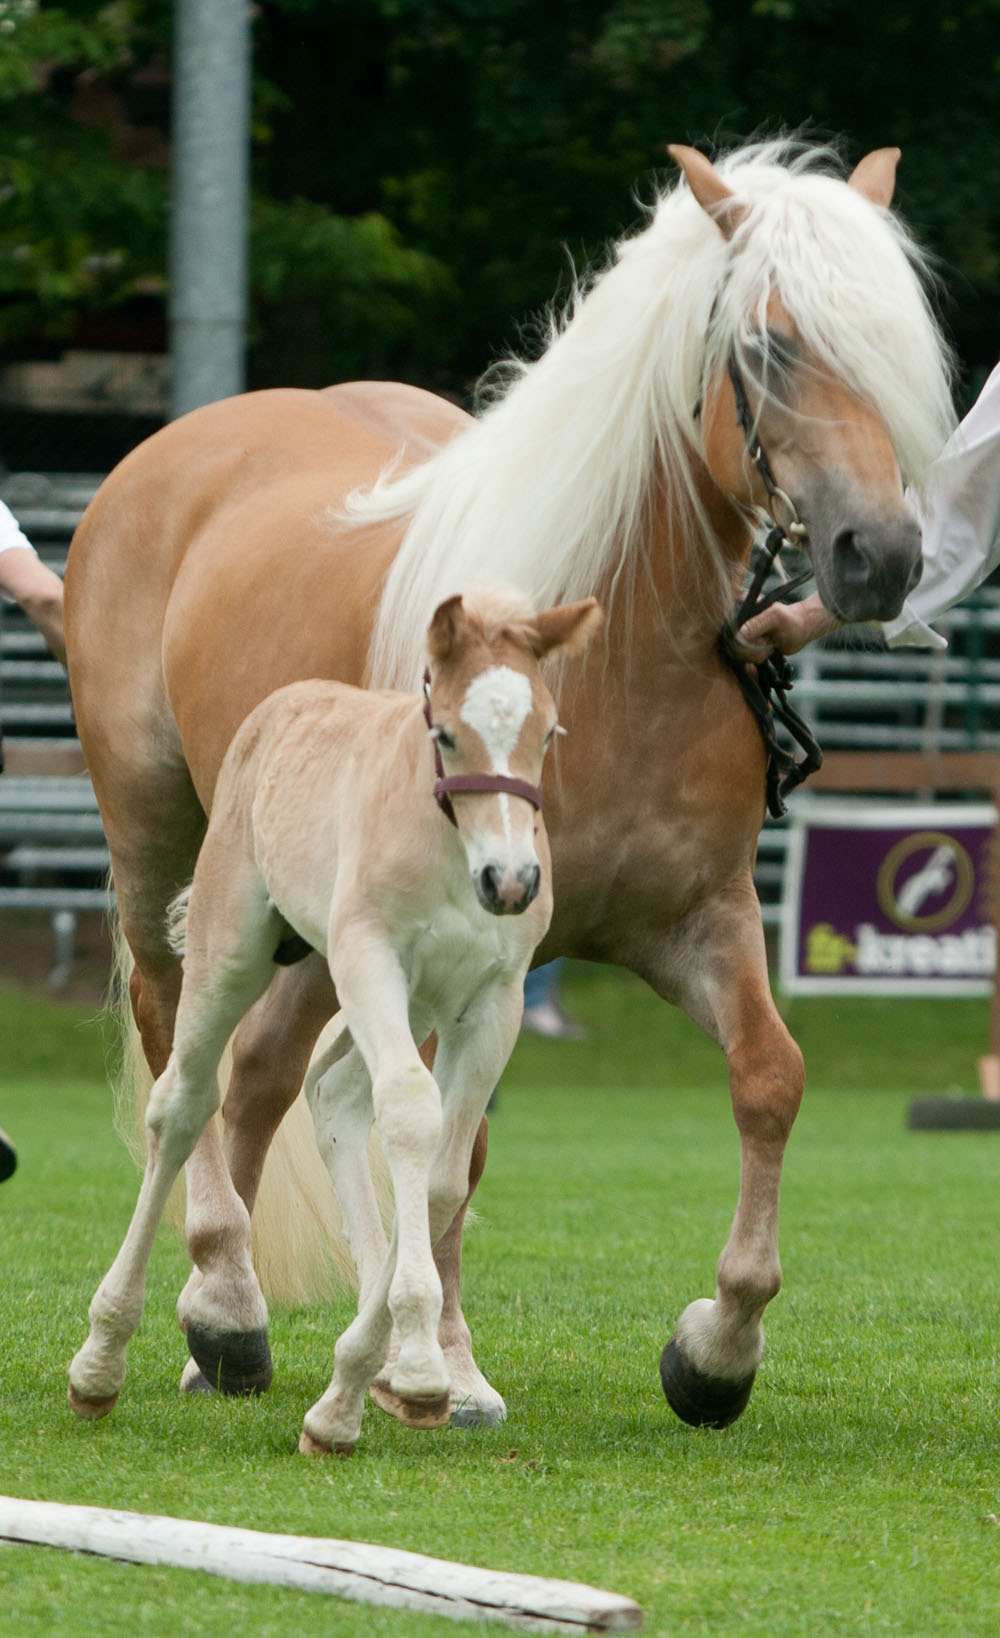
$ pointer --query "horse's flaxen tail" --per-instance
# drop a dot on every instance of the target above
(299, 1246)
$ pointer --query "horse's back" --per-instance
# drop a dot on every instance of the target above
(214, 565)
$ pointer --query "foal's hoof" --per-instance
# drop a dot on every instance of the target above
(701, 1400)
(89, 1410)
(413, 1413)
(308, 1446)
(472, 1413)
(193, 1380)
(235, 1362)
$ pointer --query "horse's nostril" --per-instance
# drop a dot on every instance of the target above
(490, 883)
(851, 559)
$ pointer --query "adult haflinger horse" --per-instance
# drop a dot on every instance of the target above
(217, 563)
(324, 828)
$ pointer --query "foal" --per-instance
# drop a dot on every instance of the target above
(324, 832)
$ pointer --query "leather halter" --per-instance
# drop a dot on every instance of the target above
(485, 783)
(766, 684)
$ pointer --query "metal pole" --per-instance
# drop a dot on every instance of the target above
(208, 225)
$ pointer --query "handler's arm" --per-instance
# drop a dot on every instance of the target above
(30, 582)
(961, 522)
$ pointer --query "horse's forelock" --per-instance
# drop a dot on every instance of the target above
(855, 283)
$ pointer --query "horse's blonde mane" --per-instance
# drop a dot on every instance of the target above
(552, 485)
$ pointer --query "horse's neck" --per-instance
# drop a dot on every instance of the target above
(674, 610)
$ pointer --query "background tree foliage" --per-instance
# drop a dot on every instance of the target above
(425, 171)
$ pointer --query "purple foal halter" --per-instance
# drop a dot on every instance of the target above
(483, 782)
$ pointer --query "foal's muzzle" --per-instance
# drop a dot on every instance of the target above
(504, 892)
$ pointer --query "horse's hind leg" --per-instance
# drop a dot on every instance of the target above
(270, 1055)
(708, 1366)
(218, 988)
(178, 1108)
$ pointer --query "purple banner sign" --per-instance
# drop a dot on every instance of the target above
(888, 900)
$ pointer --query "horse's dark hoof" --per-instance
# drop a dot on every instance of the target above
(702, 1401)
(235, 1362)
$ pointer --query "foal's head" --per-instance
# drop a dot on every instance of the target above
(492, 718)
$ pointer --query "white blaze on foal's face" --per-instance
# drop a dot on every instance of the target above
(496, 707)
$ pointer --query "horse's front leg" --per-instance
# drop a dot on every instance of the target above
(709, 1364)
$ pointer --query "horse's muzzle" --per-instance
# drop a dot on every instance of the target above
(871, 571)
(504, 892)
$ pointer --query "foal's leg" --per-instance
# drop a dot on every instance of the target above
(373, 993)
(341, 1102)
(474, 1402)
(220, 983)
(468, 1067)
(339, 1093)
(708, 1366)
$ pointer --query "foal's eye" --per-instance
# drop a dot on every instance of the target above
(445, 740)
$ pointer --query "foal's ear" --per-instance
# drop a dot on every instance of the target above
(875, 176)
(442, 633)
(713, 194)
(570, 627)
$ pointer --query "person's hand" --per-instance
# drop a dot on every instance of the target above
(786, 627)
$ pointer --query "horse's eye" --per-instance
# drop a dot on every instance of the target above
(445, 740)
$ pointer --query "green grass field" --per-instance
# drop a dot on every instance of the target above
(859, 1493)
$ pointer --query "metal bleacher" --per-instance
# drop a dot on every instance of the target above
(53, 856)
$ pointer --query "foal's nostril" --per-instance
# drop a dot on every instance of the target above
(851, 559)
(532, 882)
(489, 882)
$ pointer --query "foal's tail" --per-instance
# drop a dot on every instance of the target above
(299, 1246)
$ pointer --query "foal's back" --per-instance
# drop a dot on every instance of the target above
(330, 783)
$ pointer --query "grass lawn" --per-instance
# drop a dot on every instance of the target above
(859, 1493)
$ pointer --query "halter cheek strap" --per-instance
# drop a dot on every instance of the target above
(489, 784)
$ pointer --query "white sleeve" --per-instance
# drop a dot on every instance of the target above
(961, 522)
(10, 532)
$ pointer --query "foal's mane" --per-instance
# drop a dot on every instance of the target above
(552, 487)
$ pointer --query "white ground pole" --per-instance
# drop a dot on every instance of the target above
(348, 1569)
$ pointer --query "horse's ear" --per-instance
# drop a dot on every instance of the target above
(875, 176)
(569, 627)
(713, 194)
(442, 633)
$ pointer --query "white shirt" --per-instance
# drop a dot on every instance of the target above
(960, 521)
(10, 532)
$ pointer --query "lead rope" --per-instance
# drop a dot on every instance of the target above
(766, 684)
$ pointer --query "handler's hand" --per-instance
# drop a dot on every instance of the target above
(786, 627)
